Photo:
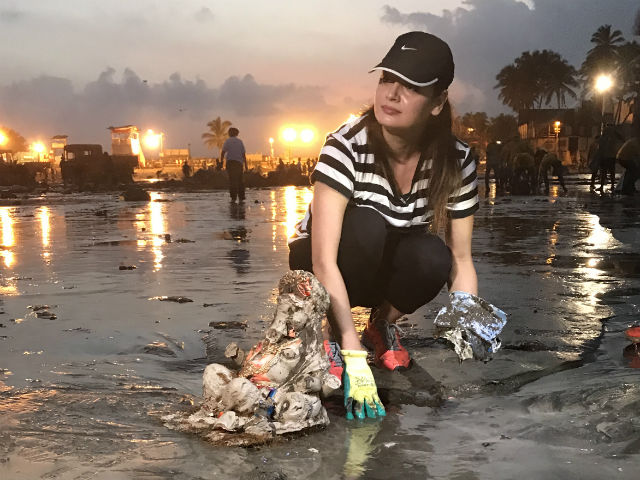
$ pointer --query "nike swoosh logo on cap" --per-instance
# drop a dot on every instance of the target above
(404, 47)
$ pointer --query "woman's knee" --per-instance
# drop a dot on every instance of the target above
(364, 233)
(428, 257)
(300, 255)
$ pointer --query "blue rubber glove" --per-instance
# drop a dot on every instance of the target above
(360, 391)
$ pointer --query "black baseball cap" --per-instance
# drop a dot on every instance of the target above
(420, 59)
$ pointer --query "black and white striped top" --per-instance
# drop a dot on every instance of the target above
(346, 165)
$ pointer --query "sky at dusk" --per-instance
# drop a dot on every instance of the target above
(75, 67)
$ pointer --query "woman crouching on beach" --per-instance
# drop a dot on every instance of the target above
(385, 185)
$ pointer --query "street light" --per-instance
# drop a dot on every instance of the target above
(39, 148)
(307, 135)
(3, 138)
(602, 85)
(556, 130)
(289, 135)
(152, 140)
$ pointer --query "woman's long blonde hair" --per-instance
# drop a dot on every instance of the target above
(438, 143)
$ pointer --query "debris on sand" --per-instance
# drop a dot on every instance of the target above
(471, 325)
(237, 234)
(135, 193)
(158, 348)
(176, 299)
(127, 267)
(277, 389)
(228, 325)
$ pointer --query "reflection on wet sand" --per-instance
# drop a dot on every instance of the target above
(78, 401)
(553, 239)
(240, 260)
(599, 238)
(44, 216)
(237, 211)
(295, 201)
(156, 224)
(8, 236)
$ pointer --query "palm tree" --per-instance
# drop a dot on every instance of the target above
(518, 87)
(628, 74)
(558, 78)
(217, 133)
(603, 57)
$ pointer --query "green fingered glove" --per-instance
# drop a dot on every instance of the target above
(360, 391)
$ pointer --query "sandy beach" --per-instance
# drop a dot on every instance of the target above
(91, 355)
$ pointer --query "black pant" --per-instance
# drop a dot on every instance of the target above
(408, 268)
(236, 183)
(607, 168)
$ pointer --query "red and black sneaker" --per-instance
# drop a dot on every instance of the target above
(383, 338)
(335, 358)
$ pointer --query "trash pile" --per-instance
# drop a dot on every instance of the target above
(472, 325)
(278, 386)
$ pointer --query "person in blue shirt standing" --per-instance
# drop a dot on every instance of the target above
(233, 150)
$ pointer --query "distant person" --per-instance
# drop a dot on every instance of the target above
(233, 150)
(551, 161)
(593, 162)
(608, 146)
(186, 169)
(493, 164)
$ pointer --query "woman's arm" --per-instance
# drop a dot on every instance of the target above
(463, 273)
(327, 209)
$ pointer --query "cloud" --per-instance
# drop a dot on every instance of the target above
(204, 15)
(246, 97)
(10, 15)
(486, 35)
(47, 105)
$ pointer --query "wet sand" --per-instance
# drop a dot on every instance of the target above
(84, 380)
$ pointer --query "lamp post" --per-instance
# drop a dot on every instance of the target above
(39, 148)
(602, 85)
(289, 135)
(556, 130)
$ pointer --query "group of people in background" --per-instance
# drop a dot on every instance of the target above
(520, 170)
(611, 148)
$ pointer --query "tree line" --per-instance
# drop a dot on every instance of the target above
(543, 78)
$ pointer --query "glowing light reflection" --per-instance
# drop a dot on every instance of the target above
(592, 286)
(553, 240)
(296, 204)
(600, 237)
(274, 214)
(158, 228)
(45, 224)
(8, 237)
